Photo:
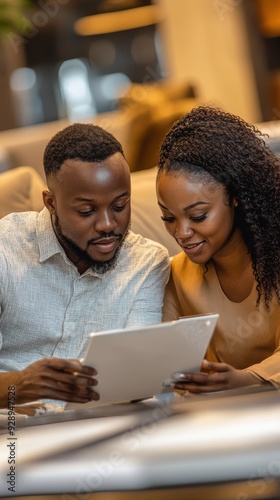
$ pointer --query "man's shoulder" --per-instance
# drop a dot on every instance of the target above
(18, 221)
(137, 243)
(17, 236)
(141, 257)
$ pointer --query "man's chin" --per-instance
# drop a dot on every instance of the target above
(108, 261)
(103, 266)
(102, 257)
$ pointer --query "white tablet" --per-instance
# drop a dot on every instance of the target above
(137, 363)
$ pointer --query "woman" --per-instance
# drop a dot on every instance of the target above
(218, 188)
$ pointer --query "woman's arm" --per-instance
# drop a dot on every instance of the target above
(215, 377)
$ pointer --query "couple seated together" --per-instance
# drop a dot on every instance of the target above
(76, 267)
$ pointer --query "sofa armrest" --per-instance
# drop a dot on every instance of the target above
(20, 190)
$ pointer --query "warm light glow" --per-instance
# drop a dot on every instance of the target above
(118, 21)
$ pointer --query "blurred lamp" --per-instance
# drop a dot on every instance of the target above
(111, 22)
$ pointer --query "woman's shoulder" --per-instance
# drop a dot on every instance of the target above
(185, 271)
(181, 263)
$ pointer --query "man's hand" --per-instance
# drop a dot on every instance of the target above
(215, 377)
(54, 378)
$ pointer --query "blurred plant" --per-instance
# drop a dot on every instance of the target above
(12, 14)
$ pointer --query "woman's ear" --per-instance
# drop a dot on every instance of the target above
(49, 201)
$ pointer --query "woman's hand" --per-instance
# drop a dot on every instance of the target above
(215, 377)
(54, 378)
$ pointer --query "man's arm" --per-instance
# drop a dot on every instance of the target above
(49, 378)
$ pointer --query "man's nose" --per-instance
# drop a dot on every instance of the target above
(105, 222)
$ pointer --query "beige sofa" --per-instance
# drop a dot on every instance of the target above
(144, 115)
(26, 145)
(140, 123)
(21, 190)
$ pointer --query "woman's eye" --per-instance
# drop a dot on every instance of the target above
(167, 219)
(199, 218)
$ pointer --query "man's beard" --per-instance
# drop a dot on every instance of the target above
(98, 266)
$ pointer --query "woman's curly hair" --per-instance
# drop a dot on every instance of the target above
(210, 141)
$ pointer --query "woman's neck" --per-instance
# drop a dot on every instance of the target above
(234, 256)
(234, 269)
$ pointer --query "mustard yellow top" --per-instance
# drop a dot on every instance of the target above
(246, 337)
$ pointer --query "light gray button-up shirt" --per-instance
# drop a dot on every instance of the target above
(49, 309)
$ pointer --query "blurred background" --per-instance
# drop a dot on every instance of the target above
(80, 59)
(77, 57)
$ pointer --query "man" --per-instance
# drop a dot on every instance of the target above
(72, 269)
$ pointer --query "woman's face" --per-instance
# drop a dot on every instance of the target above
(197, 213)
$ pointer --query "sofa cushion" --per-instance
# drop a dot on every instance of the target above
(145, 212)
(20, 190)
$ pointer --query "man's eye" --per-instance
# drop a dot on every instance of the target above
(85, 214)
(119, 209)
(168, 219)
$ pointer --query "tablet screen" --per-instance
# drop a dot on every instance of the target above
(137, 363)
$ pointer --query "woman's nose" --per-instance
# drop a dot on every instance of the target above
(183, 231)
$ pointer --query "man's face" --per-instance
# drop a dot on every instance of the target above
(90, 208)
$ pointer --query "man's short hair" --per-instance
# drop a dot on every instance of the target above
(80, 141)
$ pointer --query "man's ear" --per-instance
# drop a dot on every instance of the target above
(49, 201)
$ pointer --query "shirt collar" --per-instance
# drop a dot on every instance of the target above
(47, 240)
